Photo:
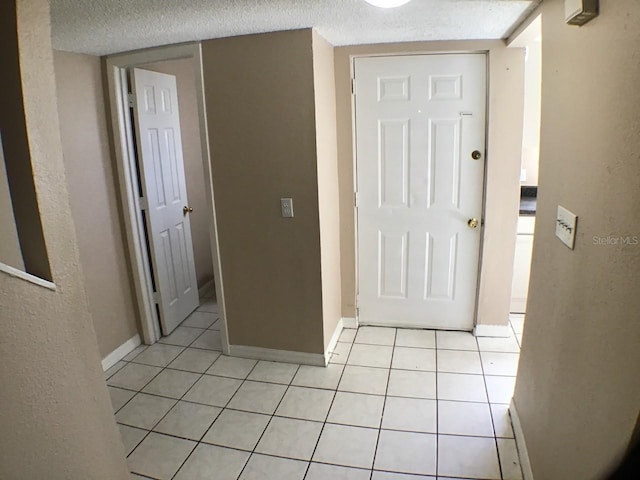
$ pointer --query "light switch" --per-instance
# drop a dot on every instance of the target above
(566, 223)
(286, 205)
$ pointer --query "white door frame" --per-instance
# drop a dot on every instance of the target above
(116, 70)
(352, 64)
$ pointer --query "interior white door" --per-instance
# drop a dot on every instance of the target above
(164, 189)
(419, 119)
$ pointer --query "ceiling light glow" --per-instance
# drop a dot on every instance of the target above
(387, 3)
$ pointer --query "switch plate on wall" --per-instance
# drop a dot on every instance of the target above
(286, 205)
(566, 223)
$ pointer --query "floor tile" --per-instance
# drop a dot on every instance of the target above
(517, 323)
(519, 338)
(144, 411)
(357, 409)
(318, 377)
(459, 361)
(261, 467)
(416, 338)
(499, 363)
(134, 376)
(376, 335)
(233, 367)
(160, 456)
(501, 420)
(321, 471)
(131, 437)
(509, 459)
(258, 397)
(406, 452)
(399, 476)
(194, 360)
(134, 353)
(171, 383)
(208, 305)
(305, 403)
(496, 344)
(500, 389)
(208, 462)
(364, 380)
(159, 355)
(347, 446)
(348, 335)
(414, 359)
(291, 438)
(370, 355)
(114, 369)
(119, 397)
(340, 353)
(235, 429)
(216, 325)
(404, 383)
(462, 387)
(215, 391)
(474, 457)
(209, 340)
(464, 418)
(456, 340)
(182, 336)
(410, 414)
(273, 372)
(200, 320)
(188, 420)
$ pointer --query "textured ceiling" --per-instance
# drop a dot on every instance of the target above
(107, 26)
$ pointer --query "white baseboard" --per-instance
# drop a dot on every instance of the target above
(120, 352)
(349, 322)
(520, 442)
(274, 355)
(205, 289)
(333, 341)
(492, 331)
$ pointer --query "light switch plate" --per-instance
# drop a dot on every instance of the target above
(566, 223)
(286, 206)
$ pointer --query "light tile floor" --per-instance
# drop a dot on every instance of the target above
(391, 405)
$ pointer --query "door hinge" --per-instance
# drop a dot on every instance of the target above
(353, 86)
(355, 199)
(131, 99)
(143, 203)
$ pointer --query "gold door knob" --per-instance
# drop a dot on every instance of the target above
(186, 210)
(473, 223)
(476, 155)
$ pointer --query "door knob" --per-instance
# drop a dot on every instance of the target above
(186, 210)
(476, 154)
(473, 223)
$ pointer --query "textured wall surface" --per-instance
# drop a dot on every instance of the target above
(577, 392)
(56, 418)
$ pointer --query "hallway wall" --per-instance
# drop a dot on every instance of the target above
(577, 392)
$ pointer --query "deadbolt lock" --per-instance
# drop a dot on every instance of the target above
(476, 155)
(473, 223)
(186, 210)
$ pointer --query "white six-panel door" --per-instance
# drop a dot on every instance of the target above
(418, 120)
(159, 146)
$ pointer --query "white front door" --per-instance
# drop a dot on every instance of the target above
(419, 120)
(164, 189)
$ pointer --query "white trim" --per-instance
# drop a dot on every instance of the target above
(116, 66)
(492, 330)
(521, 445)
(349, 322)
(206, 288)
(27, 277)
(333, 341)
(274, 355)
(119, 353)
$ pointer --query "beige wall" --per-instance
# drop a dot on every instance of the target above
(184, 71)
(328, 194)
(94, 202)
(577, 391)
(261, 120)
(506, 70)
(10, 253)
(56, 418)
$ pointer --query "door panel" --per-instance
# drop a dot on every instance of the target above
(157, 125)
(418, 118)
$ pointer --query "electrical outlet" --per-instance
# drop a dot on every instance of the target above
(566, 223)
(286, 206)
